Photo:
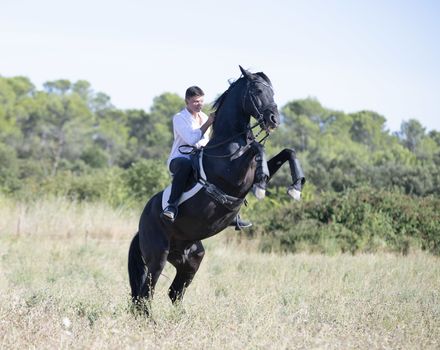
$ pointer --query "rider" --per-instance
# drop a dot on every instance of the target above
(190, 127)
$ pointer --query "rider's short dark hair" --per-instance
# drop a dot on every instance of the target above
(193, 91)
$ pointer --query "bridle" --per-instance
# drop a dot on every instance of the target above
(258, 114)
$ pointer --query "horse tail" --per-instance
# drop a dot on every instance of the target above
(136, 267)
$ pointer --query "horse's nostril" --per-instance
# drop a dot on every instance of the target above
(273, 119)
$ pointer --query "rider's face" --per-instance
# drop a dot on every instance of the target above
(194, 104)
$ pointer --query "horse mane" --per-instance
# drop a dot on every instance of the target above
(219, 101)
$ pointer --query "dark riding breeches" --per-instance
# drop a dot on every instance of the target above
(181, 169)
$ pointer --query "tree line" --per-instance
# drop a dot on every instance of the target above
(67, 139)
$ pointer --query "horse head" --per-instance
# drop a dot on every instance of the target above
(258, 100)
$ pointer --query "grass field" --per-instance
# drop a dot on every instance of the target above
(64, 285)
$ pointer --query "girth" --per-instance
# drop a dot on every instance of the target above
(229, 202)
(226, 200)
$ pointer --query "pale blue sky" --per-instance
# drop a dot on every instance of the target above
(351, 55)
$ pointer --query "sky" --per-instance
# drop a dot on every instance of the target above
(378, 55)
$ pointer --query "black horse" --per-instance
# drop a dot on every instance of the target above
(233, 162)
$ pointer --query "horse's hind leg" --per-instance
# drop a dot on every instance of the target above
(186, 257)
(152, 251)
(136, 268)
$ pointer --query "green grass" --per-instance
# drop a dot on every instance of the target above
(70, 291)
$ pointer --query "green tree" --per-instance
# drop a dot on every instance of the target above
(58, 87)
(83, 89)
(112, 134)
(368, 128)
(160, 137)
(12, 93)
(9, 169)
(301, 124)
(411, 134)
(54, 126)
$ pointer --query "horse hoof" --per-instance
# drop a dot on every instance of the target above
(259, 192)
(295, 194)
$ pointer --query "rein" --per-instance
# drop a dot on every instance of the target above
(234, 155)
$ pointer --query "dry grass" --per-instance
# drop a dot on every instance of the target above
(61, 218)
(63, 284)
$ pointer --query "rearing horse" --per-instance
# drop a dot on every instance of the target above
(233, 162)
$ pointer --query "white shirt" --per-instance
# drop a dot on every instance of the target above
(187, 132)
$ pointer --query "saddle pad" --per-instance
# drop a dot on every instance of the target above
(185, 196)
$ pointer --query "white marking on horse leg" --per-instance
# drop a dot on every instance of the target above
(295, 194)
(259, 192)
(188, 251)
(185, 256)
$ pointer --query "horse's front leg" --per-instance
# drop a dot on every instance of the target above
(262, 173)
(298, 179)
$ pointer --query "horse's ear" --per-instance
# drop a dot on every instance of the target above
(245, 73)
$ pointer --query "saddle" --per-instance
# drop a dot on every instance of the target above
(198, 182)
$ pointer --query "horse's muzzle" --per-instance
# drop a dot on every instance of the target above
(271, 119)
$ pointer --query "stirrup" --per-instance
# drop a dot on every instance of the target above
(169, 213)
(240, 224)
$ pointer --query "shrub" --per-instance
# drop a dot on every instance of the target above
(145, 178)
(361, 220)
